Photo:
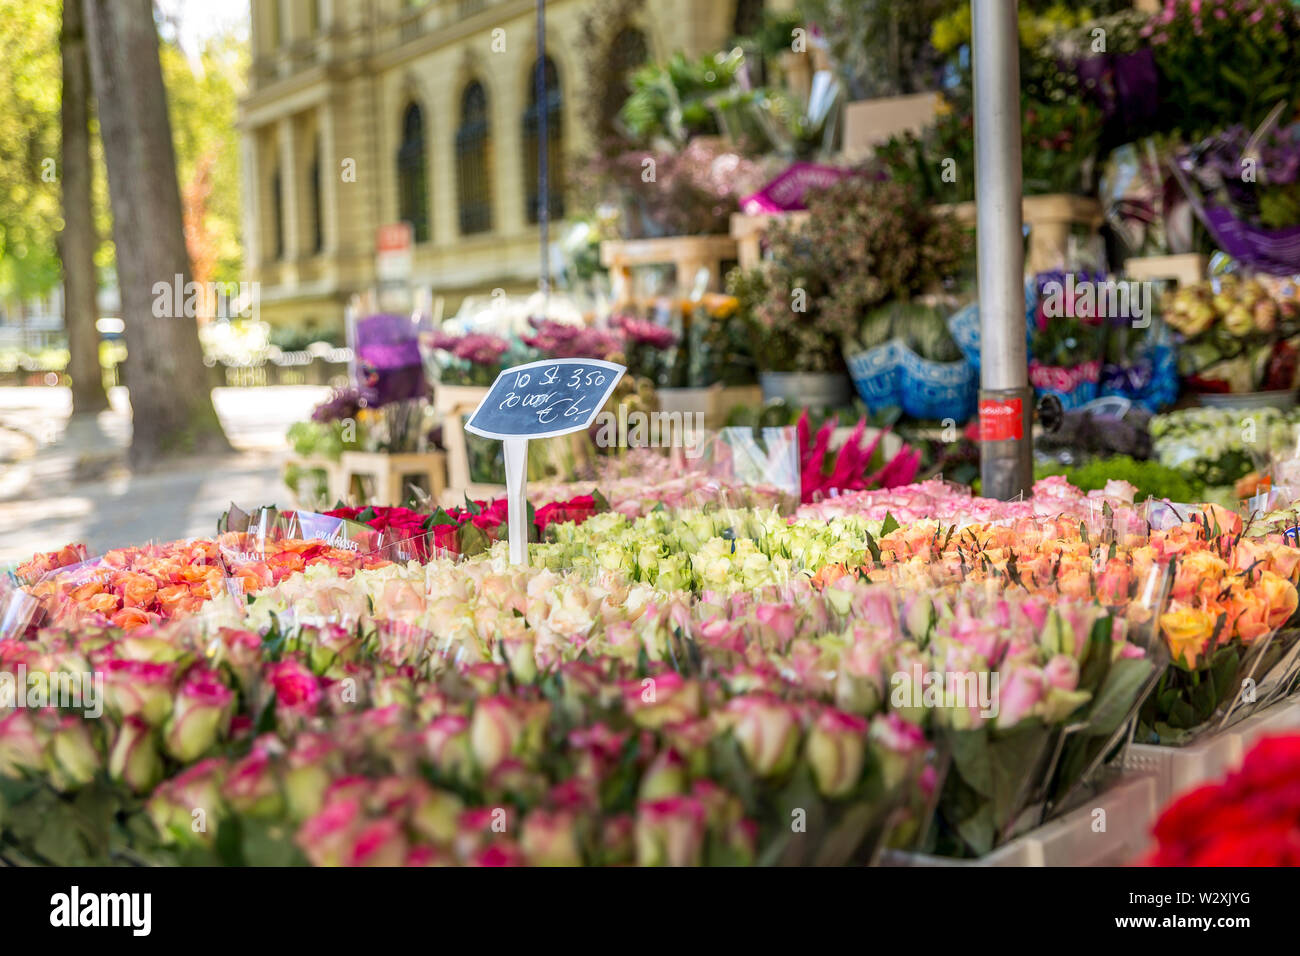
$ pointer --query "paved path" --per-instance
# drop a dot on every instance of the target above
(64, 480)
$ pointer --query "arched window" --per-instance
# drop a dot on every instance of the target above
(553, 108)
(317, 214)
(474, 161)
(412, 193)
(627, 51)
(277, 215)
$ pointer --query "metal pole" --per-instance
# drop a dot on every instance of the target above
(543, 149)
(1005, 400)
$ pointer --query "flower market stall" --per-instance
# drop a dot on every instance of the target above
(769, 610)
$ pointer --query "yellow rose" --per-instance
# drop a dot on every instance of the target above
(1186, 630)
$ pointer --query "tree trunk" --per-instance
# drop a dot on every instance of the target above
(77, 241)
(170, 400)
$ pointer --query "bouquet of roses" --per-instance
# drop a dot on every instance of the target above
(1250, 818)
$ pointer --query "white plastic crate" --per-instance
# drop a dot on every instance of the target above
(1178, 769)
(1130, 806)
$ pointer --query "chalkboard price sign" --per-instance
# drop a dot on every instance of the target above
(543, 399)
(539, 400)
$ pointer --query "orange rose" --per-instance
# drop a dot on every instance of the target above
(133, 617)
(1247, 615)
(1198, 572)
(1186, 630)
(1228, 522)
(170, 598)
(103, 603)
(1280, 596)
(138, 590)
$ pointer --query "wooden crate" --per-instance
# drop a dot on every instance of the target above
(1050, 219)
(1185, 269)
(688, 254)
(390, 473)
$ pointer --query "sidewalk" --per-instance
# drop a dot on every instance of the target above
(63, 481)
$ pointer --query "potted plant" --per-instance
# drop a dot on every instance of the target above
(866, 241)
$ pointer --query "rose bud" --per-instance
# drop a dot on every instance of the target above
(501, 853)
(495, 731)
(394, 689)
(670, 832)
(307, 773)
(326, 838)
(767, 730)
(551, 839)
(665, 777)
(521, 657)
(378, 843)
(200, 715)
(665, 698)
(329, 648)
(21, 746)
(297, 690)
(898, 747)
(436, 815)
(135, 760)
(447, 742)
(425, 856)
(480, 827)
(1019, 694)
(186, 808)
(432, 703)
(251, 787)
(71, 758)
(242, 652)
(139, 688)
(835, 751)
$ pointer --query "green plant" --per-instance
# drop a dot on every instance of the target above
(1220, 70)
(669, 102)
(1150, 477)
(867, 240)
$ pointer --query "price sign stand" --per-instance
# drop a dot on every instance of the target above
(539, 400)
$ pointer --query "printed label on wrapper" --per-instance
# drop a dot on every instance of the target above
(1001, 420)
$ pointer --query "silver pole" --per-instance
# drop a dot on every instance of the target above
(1006, 401)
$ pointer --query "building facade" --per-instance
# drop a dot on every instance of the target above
(363, 113)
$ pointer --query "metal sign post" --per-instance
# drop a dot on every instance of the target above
(1006, 402)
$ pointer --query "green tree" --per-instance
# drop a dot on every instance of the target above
(29, 147)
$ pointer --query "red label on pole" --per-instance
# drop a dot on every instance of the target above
(1001, 420)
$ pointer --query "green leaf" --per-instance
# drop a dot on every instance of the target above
(1116, 696)
(439, 517)
(602, 503)
(471, 507)
(266, 719)
(889, 524)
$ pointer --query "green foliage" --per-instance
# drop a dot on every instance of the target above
(30, 164)
(1150, 477)
(202, 106)
(670, 101)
